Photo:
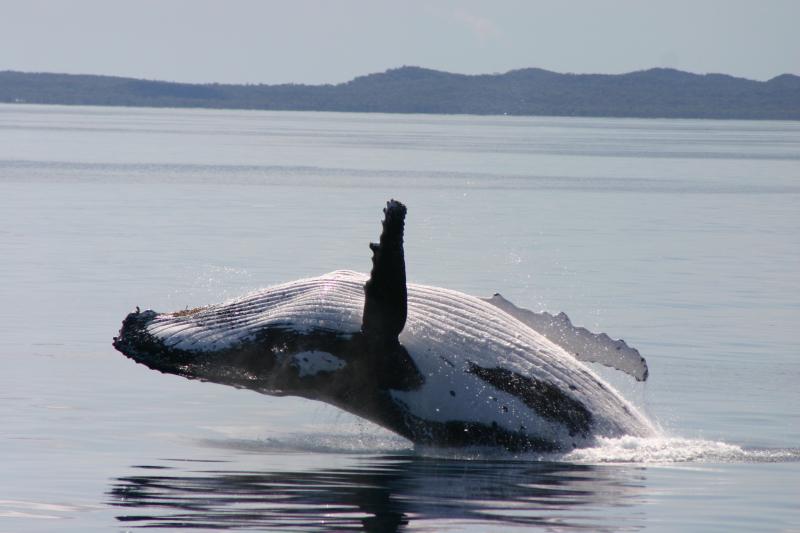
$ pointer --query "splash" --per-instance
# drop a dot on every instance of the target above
(660, 450)
(657, 450)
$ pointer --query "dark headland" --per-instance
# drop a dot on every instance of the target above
(654, 93)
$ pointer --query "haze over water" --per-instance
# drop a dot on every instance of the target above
(682, 237)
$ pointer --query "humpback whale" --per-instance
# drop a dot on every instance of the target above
(437, 366)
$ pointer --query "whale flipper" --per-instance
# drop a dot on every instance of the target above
(386, 298)
(580, 342)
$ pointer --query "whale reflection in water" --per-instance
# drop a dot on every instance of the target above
(383, 493)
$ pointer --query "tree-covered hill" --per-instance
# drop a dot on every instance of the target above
(650, 93)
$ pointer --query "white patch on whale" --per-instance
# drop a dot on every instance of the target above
(313, 362)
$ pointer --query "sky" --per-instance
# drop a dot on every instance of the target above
(318, 41)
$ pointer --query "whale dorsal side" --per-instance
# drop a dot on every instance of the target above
(385, 293)
(580, 342)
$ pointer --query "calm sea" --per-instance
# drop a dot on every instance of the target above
(681, 236)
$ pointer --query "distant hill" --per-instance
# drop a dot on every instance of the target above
(649, 93)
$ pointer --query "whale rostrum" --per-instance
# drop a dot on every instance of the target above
(436, 366)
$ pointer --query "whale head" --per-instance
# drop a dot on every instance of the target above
(302, 338)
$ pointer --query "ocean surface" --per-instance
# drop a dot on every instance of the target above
(680, 236)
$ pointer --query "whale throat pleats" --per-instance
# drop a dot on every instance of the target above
(386, 298)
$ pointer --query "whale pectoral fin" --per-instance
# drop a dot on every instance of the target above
(385, 293)
(580, 342)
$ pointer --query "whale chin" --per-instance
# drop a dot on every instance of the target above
(136, 343)
(247, 366)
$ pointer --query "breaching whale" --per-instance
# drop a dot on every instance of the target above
(436, 366)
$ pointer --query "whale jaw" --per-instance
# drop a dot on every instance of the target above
(275, 361)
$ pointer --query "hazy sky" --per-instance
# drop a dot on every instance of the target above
(317, 41)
